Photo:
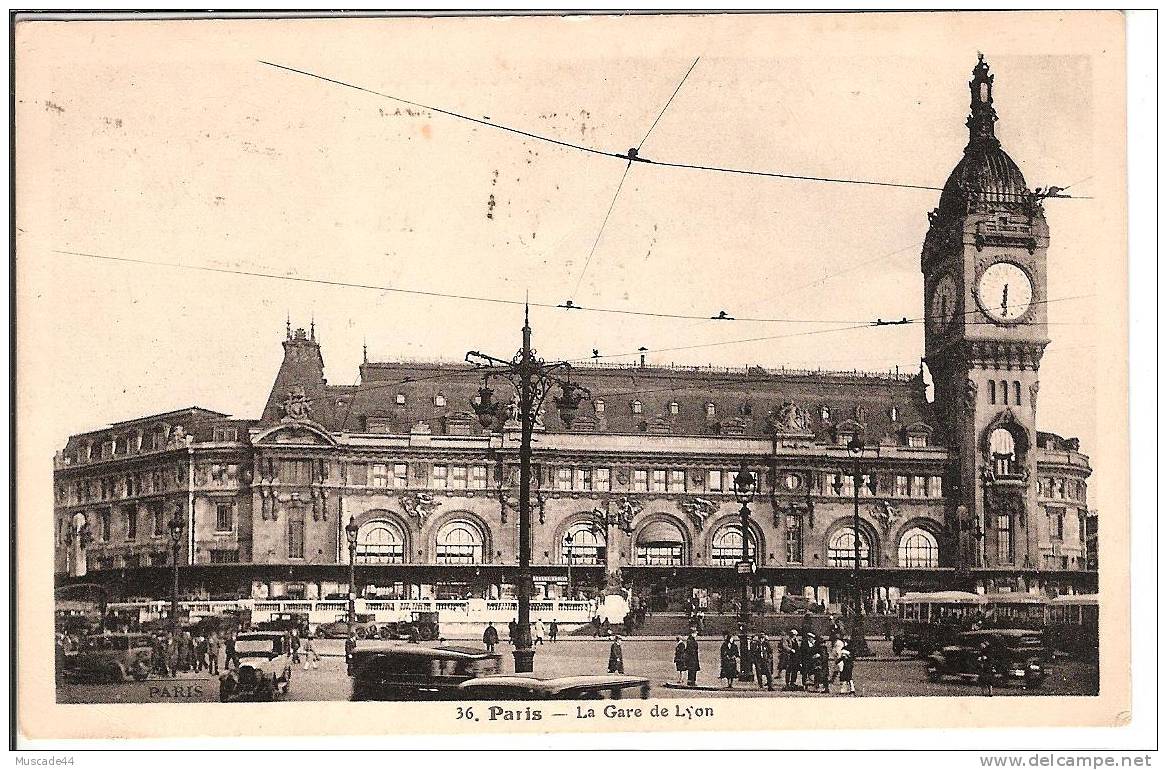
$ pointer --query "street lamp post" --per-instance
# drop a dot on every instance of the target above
(569, 539)
(744, 488)
(859, 648)
(532, 379)
(350, 531)
(177, 526)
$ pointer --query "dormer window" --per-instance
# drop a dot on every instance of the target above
(439, 400)
(599, 405)
(674, 407)
(401, 399)
(710, 410)
(637, 407)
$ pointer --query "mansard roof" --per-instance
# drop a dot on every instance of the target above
(744, 401)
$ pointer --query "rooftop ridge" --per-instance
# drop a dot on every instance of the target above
(761, 372)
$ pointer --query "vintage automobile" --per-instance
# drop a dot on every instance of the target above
(365, 627)
(928, 621)
(385, 670)
(1018, 655)
(587, 687)
(113, 657)
(264, 672)
(284, 621)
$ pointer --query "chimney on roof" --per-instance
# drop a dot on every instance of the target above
(643, 351)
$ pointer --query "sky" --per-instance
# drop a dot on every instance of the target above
(172, 142)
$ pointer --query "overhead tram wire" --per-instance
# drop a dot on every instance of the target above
(632, 153)
(624, 156)
(427, 293)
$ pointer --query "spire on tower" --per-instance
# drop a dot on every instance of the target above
(982, 116)
(312, 328)
(365, 350)
(288, 326)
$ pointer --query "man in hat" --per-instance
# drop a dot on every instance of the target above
(846, 672)
(692, 659)
(763, 655)
(616, 657)
(790, 649)
(806, 659)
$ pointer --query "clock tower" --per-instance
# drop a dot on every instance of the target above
(984, 266)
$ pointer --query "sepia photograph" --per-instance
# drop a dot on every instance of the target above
(484, 367)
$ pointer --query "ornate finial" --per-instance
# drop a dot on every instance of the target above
(365, 351)
(312, 327)
(288, 325)
(982, 116)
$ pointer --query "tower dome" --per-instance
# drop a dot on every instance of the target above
(986, 175)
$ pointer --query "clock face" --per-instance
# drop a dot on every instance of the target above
(1004, 291)
(943, 308)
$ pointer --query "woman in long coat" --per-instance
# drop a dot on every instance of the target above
(692, 659)
(729, 655)
(679, 658)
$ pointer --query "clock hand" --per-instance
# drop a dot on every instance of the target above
(1005, 300)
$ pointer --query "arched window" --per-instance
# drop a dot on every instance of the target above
(1016, 392)
(727, 546)
(992, 391)
(599, 405)
(637, 407)
(380, 542)
(660, 544)
(583, 545)
(841, 549)
(918, 548)
(459, 542)
(1004, 452)
(710, 409)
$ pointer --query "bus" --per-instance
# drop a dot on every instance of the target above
(1072, 625)
(1015, 609)
(928, 621)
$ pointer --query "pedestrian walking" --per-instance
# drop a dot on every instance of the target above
(846, 672)
(174, 653)
(692, 659)
(512, 629)
(311, 657)
(201, 661)
(490, 637)
(186, 651)
(213, 645)
(745, 646)
(540, 632)
(789, 658)
(616, 657)
(553, 629)
(232, 659)
(836, 650)
(350, 645)
(806, 659)
(763, 659)
(294, 643)
(985, 672)
(729, 655)
(679, 659)
(596, 626)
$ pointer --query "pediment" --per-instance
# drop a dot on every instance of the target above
(299, 433)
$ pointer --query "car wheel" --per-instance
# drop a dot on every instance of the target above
(118, 673)
(361, 632)
(933, 674)
(896, 647)
(265, 692)
(140, 670)
(226, 690)
(385, 633)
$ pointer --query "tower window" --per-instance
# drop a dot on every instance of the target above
(674, 407)
(710, 409)
(893, 414)
(599, 405)
(992, 392)
(637, 407)
(1004, 453)
(400, 399)
(439, 400)
(1004, 392)
(825, 413)
(1016, 392)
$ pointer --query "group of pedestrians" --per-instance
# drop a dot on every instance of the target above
(819, 663)
(540, 633)
(185, 652)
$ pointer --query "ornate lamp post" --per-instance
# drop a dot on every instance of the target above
(744, 488)
(177, 527)
(350, 531)
(532, 379)
(859, 647)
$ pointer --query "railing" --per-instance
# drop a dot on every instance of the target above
(325, 610)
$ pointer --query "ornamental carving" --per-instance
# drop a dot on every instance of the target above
(1036, 386)
(790, 418)
(419, 505)
(296, 406)
(887, 514)
(698, 509)
(970, 396)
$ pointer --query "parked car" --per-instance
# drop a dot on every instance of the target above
(1018, 655)
(382, 670)
(264, 672)
(113, 657)
(285, 621)
(588, 687)
(365, 627)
